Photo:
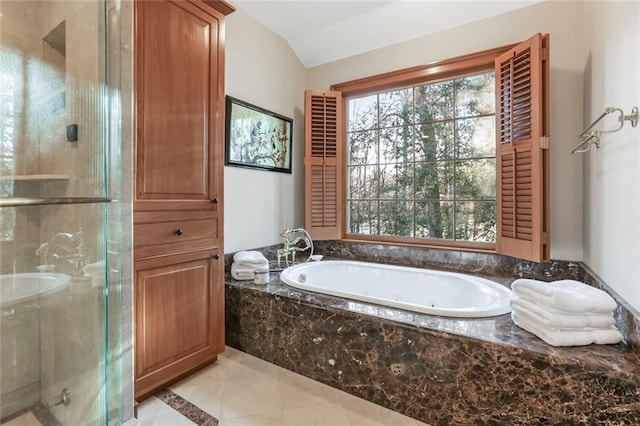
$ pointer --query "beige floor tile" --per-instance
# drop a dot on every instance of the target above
(167, 416)
(242, 367)
(301, 392)
(204, 388)
(230, 356)
(27, 419)
(230, 353)
(268, 419)
(153, 412)
(320, 415)
(148, 410)
(248, 398)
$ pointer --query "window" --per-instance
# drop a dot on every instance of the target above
(422, 160)
(10, 64)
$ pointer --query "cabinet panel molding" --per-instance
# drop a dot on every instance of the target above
(178, 105)
(178, 325)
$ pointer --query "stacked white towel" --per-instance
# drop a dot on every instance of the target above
(245, 262)
(564, 313)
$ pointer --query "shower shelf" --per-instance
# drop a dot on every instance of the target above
(34, 178)
(24, 201)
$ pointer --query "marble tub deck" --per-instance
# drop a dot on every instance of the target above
(435, 369)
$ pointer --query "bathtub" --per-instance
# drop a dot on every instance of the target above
(420, 290)
(21, 288)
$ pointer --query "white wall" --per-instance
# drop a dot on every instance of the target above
(262, 69)
(563, 21)
(612, 173)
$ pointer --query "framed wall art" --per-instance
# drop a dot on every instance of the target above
(257, 138)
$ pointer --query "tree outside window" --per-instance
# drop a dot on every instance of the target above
(9, 63)
(421, 161)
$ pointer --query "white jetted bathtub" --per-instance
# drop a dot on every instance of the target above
(421, 290)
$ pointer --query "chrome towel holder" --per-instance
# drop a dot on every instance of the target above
(592, 137)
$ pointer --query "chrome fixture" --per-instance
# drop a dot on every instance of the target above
(29, 201)
(294, 240)
(63, 398)
(65, 252)
(592, 137)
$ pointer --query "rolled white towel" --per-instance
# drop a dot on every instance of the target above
(240, 273)
(567, 337)
(551, 318)
(249, 257)
(565, 295)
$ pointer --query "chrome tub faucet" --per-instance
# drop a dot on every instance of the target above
(294, 240)
(65, 252)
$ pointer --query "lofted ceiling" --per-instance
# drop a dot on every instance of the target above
(322, 31)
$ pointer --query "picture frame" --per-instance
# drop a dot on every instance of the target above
(257, 138)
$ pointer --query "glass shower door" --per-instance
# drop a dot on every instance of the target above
(59, 255)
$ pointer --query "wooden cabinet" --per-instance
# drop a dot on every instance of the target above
(177, 303)
(179, 282)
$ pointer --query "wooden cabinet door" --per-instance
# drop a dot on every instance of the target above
(178, 79)
(178, 308)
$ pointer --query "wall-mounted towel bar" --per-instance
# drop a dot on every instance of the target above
(592, 137)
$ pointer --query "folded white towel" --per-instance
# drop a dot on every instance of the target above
(249, 257)
(567, 337)
(565, 295)
(553, 318)
(263, 264)
(240, 273)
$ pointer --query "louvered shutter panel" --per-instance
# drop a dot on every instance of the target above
(522, 150)
(323, 164)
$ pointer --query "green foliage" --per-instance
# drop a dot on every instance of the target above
(422, 161)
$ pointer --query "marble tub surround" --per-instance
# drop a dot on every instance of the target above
(438, 370)
(435, 369)
(503, 269)
(495, 330)
(490, 264)
(627, 318)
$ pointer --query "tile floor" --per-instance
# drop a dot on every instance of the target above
(241, 390)
(27, 419)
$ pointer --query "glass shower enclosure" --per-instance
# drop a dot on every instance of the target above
(61, 245)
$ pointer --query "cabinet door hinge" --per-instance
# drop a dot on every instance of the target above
(544, 142)
(544, 53)
(545, 238)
